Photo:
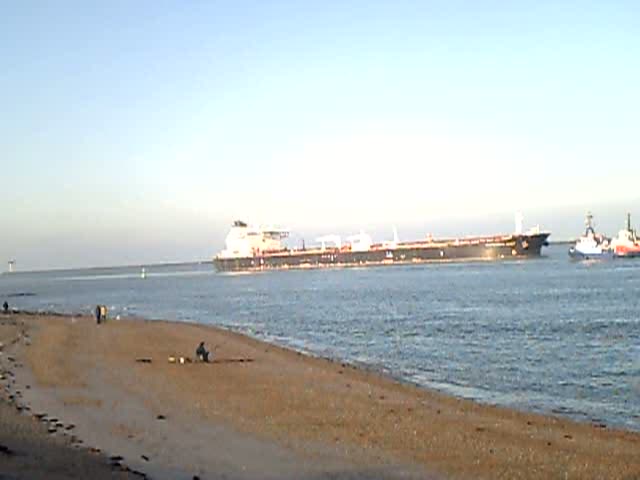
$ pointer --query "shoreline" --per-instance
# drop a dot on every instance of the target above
(578, 417)
(303, 407)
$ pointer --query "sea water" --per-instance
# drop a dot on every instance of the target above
(546, 335)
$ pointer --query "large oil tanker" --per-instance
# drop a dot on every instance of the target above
(255, 248)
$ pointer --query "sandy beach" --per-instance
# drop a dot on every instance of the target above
(259, 411)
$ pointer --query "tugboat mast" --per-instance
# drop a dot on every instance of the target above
(589, 223)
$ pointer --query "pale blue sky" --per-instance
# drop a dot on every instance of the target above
(135, 132)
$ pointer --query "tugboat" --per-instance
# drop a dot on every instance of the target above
(626, 244)
(591, 245)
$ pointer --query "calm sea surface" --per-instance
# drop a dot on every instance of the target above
(546, 335)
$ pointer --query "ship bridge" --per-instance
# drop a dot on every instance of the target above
(247, 241)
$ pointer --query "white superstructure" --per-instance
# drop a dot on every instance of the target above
(588, 245)
(361, 242)
(591, 244)
(247, 241)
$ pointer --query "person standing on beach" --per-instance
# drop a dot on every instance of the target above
(5, 307)
(98, 314)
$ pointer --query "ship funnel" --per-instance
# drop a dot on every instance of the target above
(519, 221)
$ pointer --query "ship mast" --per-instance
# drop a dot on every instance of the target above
(519, 223)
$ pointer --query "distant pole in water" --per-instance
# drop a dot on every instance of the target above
(143, 273)
(11, 265)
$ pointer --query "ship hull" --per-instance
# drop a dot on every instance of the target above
(481, 248)
(578, 255)
(627, 252)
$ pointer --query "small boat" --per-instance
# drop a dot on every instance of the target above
(626, 244)
(591, 245)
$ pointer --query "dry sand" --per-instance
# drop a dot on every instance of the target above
(260, 411)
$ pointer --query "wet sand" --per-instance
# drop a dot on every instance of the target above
(260, 411)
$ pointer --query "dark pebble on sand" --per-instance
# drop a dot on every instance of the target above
(161, 417)
(144, 457)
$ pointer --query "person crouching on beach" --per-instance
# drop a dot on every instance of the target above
(201, 353)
